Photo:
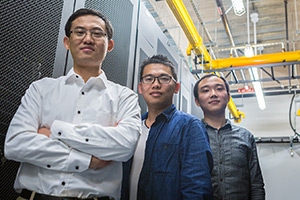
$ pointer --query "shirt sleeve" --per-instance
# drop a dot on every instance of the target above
(107, 143)
(257, 183)
(196, 163)
(24, 144)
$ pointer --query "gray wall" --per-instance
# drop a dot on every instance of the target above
(271, 122)
(271, 127)
(280, 170)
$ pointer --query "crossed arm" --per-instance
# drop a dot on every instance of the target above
(81, 144)
(95, 163)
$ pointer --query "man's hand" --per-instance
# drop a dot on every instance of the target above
(97, 163)
(44, 131)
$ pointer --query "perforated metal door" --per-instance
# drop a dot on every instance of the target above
(120, 14)
(29, 31)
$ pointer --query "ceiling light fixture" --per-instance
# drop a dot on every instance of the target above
(249, 53)
(238, 7)
(248, 50)
(257, 88)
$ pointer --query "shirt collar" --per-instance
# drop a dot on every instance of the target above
(227, 125)
(167, 113)
(100, 80)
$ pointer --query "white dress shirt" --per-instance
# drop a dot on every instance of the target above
(138, 161)
(98, 118)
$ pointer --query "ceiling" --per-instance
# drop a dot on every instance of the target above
(277, 30)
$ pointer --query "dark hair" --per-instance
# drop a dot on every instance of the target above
(207, 76)
(161, 59)
(86, 11)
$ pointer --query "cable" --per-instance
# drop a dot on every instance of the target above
(290, 117)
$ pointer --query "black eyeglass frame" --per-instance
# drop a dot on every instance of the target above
(82, 33)
(158, 79)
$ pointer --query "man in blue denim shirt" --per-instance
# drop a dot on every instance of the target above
(236, 174)
(173, 152)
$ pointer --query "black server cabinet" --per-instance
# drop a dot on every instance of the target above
(31, 48)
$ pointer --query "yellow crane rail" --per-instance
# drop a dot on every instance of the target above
(196, 44)
(281, 57)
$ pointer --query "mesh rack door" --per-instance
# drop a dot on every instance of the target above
(29, 32)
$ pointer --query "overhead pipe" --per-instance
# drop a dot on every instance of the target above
(296, 17)
(195, 71)
(286, 24)
(287, 35)
(297, 33)
(254, 45)
(186, 23)
(225, 23)
(254, 75)
(254, 19)
(201, 21)
(189, 29)
(196, 43)
(223, 16)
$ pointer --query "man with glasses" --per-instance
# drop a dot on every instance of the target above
(173, 158)
(71, 134)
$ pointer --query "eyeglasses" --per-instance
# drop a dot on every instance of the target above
(162, 79)
(96, 34)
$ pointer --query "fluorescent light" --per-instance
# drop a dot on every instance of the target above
(248, 51)
(257, 88)
(259, 95)
(238, 7)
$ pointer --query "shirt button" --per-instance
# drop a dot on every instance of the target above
(78, 111)
(77, 76)
(86, 139)
(77, 167)
(82, 93)
(48, 166)
(63, 183)
(59, 133)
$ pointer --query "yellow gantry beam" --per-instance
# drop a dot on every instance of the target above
(255, 60)
(197, 46)
(189, 28)
(251, 61)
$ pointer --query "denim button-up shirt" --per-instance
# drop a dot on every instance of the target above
(178, 159)
(236, 174)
